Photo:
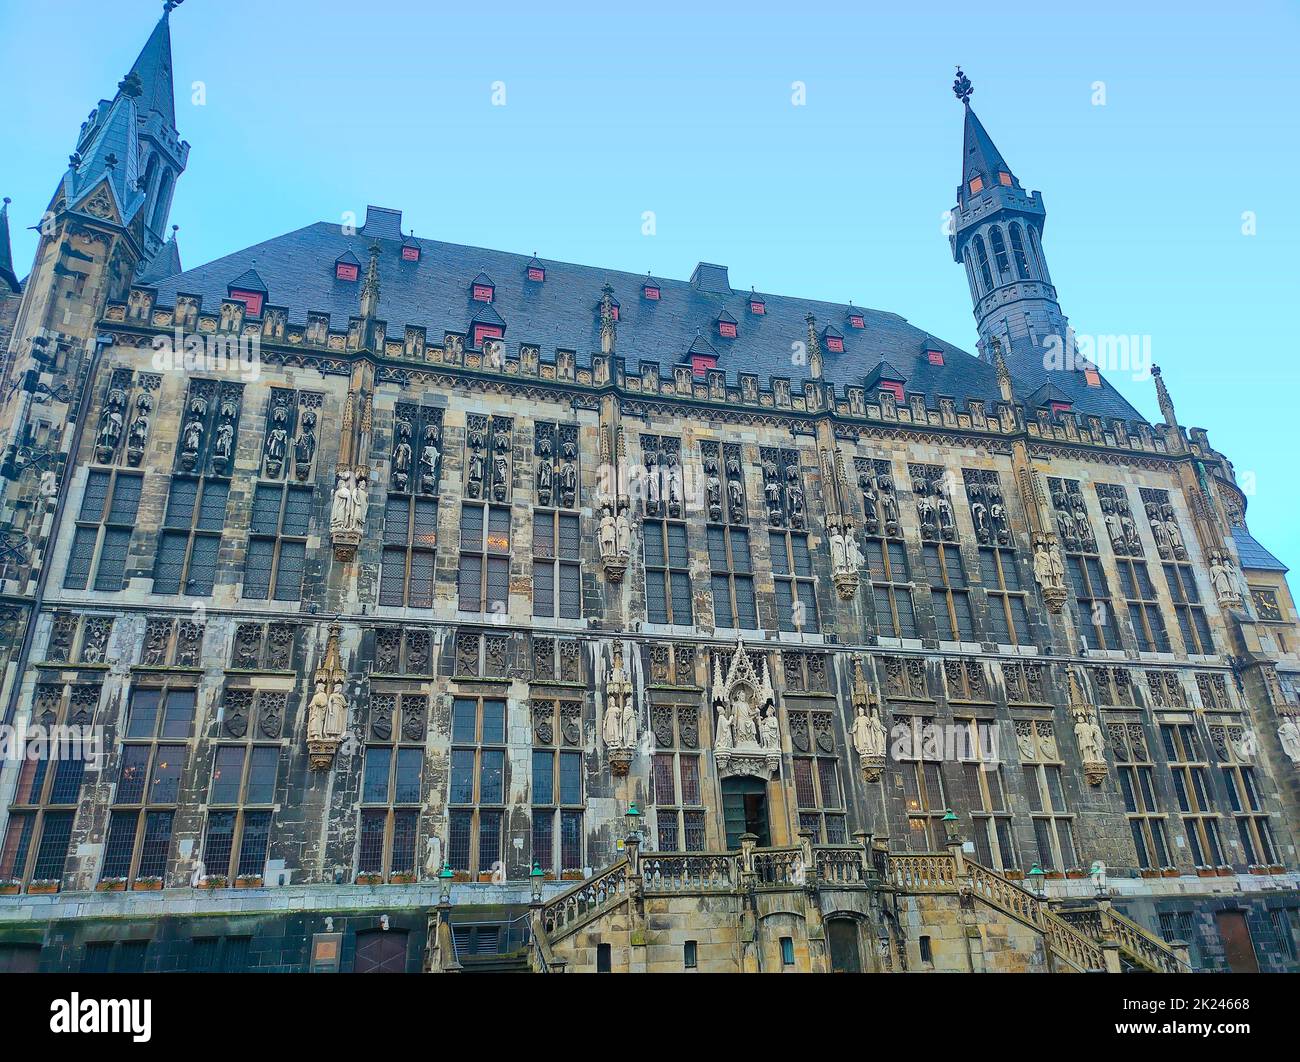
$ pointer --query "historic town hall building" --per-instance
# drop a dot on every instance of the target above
(431, 607)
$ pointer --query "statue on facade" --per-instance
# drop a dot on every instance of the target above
(1171, 529)
(402, 456)
(619, 724)
(673, 484)
(304, 447)
(138, 433)
(110, 425)
(273, 448)
(746, 730)
(1223, 578)
(327, 712)
(652, 482)
(341, 511)
(1049, 570)
(1288, 733)
(429, 455)
(868, 733)
(1087, 733)
(623, 531)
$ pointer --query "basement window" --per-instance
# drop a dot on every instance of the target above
(787, 951)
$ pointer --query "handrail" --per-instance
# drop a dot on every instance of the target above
(598, 891)
(670, 872)
(1135, 940)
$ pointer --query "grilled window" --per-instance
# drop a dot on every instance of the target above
(557, 572)
(277, 542)
(792, 571)
(667, 572)
(478, 768)
(410, 536)
(484, 575)
(109, 506)
(191, 535)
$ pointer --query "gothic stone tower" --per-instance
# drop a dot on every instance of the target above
(103, 228)
(997, 232)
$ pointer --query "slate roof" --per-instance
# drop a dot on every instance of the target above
(980, 155)
(1253, 555)
(434, 292)
(154, 68)
(166, 262)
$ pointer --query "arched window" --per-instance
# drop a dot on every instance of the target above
(999, 252)
(1041, 262)
(150, 171)
(982, 254)
(1018, 251)
(970, 275)
(161, 203)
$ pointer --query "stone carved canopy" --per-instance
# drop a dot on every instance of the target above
(746, 732)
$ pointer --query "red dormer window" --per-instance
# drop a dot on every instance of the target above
(346, 270)
(702, 363)
(1004, 178)
(651, 292)
(1059, 407)
(976, 184)
(856, 320)
(1092, 377)
(757, 306)
(727, 329)
(485, 331)
(835, 344)
(252, 301)
(536, 274)
(483, 292)
(935, 357)
(410, 253)
(895, 389)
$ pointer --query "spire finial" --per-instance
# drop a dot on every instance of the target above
(962, 88)
(171, 5)
(1162, 397)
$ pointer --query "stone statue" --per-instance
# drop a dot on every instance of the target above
(613, 726)
(652, 481)
(544, 473)
(1088, 735)
(980, 517)
(771, 731)
(839, 556)
(746, 730)
(402, 456)
(856, 559)
(428, 466)
(225, 442)
(1222, 578)
(629, 724)
(317, 710)
(110, 424)
(868, 733)
(304, 447)
(1288, 732)
(342, 513)
(336, 718)
(360, 504)
(722, 733)
(623, 532)
(568, 484)
(608, 534)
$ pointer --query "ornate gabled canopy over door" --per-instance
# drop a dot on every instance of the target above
(746, 733)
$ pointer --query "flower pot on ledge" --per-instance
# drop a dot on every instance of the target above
(1014, 875)
(42, 888)
(1054, 875)
(1206, 872)
(10, 887)
(404, 877)
(370, 879)
(1076, 874)
(485, 877)
(1225, 871)
(248, 881)
(1147, 872)
(460, 875)
(146, 884)
(1169, 872)
(111, 885)
(572, 875)
(214, 881)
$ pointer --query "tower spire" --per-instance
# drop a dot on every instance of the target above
(7, 275)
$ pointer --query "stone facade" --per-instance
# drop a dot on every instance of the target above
(387, 605)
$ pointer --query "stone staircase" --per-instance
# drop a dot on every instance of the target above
(1077, 937)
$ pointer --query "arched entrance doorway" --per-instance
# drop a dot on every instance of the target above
(744, 810)
(844, 944)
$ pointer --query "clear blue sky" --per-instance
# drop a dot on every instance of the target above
(317, 108)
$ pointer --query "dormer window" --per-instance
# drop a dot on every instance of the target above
(1004, 179)
(250, 289)
(756, 305)
(482, 289)
(934, 356)
(702, 363)
(252, 301)
(1059, 407)
(410, 249)
(726, 325)
(893, 387)
(975, 184)
(651, 290)
(535, 272)
(347, 266)
(485, 331)
(856, 319)
(1092, 377)
(833, 340)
